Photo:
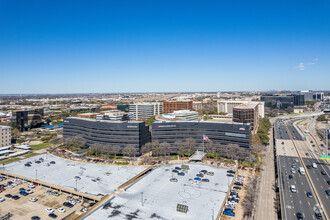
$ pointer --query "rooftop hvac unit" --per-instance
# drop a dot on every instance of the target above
(182, 208)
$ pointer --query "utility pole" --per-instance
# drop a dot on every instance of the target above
(142, 198)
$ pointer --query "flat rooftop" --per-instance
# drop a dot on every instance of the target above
(160, 196)
(95, 179)
(107, 121)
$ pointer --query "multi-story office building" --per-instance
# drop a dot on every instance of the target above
(217, 132)
(123, 107)
(181, 115)
(197, 105)
(228, 106)
(318, 96)
(145, 109)
(106, 132)
(279, 102)
(5, 136)
(299, 100)
(308, 95)
(23, 120)
(115, 115)
(247, 113)
(171, 106)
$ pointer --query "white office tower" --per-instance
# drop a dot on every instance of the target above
(145, 109)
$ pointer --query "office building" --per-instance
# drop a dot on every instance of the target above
(308, 95)
(197, 105)
(181, 115)
(123, 107)
(171, 106)
(247, 113)
(299, 100)
(227, 106)
(318, 96)
(24, 120)
(217, 132)
(115, 115)
(106, 132)
(279, 102)
(5, 136)
(145, 109)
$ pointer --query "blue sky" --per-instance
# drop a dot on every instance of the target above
(163, 46)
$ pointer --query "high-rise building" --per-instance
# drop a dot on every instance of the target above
(171, 106)
(299, 100)
(277, 101)
(5, 136)
(107, 132)
(24, 120)
(247, 113)
(145, 109)
(228, 106)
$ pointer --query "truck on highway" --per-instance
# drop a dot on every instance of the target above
(301, 170)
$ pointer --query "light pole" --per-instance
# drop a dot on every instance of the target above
(36, 174)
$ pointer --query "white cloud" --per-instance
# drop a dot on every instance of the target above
(301, 66)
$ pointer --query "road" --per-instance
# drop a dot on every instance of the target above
(291, 148)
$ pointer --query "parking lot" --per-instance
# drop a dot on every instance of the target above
(93, 179)
(168, 194)
(24, 208)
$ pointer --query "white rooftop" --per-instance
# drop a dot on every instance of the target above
(160, 196)
(95, 179)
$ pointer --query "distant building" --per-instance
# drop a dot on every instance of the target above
(145, 109)
(106, 132)
(82, 109)
(276, 101)
(197, 105)
(318, 96)
(181, 115)
(123, 107)
(299, 100)
(217, 132)
(247, 113)
(228, 106)
(115, 115)
(308, 95)
(171, 106)
(26, 119)
(5, 136)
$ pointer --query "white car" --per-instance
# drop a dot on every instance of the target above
(293, 188)
(293, 170)
(31, 186)
(2, 199)
(50, 210)
(29, 191)
(62, 210)
(33, 199)
(73, 202)
(84, 209)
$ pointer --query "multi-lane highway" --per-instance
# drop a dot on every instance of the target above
(291, 149)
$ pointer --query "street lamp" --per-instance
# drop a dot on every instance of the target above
(36, 174)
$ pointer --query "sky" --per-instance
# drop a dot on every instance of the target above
(80, 46)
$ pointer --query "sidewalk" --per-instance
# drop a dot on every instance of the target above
(265, 208)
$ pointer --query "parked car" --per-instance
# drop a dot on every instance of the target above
(2, 199)
(52, 215)
(67, 204)
(237, 187)
(61, 210)
(290, 176)
(299, 216)
(33, 199)
(205, 180)
(323, 173)
(35, 218)
(16, 197)
(293, 188)
(174, 180)
(181, 174)
(8, 195)
(318, 214)
(52, 162)
(50, 210)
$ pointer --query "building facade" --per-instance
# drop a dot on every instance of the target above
(5, 136)
(107, 132)
(228, 106)
(217, 132)
(247, 113)
(279, 102)
(171, 106)
(299, 100)
(145, 109)
(24, 120)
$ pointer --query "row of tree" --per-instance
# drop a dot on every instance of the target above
(263, 130)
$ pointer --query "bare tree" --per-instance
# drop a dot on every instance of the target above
(146, 148)
(164, 148)
(56, 140)
(155, 148)
(115, 150)
(190, 145)
(129, 150)
(178, 145)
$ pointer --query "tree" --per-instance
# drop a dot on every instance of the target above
(56, 140)
(190, 144)
(164, 148)
(155, 148)
(150, 120)
(129, 150)
(146, 148)
(115, 150)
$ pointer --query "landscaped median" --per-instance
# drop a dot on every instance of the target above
(40, 146)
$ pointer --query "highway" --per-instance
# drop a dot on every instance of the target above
(291, 148)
